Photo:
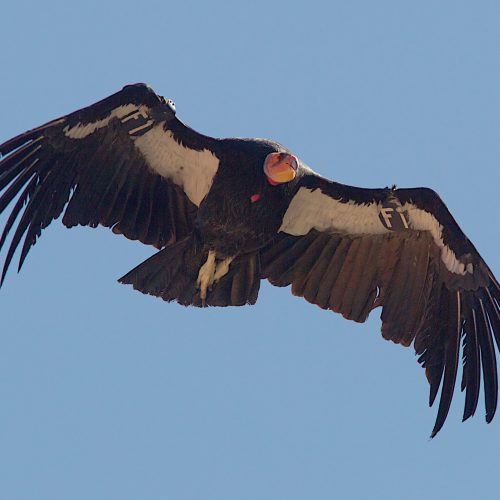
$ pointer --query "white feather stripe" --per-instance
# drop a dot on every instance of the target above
(192, 170)
(312, 209)
(425, 221)
(80, 131)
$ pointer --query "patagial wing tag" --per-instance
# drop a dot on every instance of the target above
(138, 122)
(393, 217)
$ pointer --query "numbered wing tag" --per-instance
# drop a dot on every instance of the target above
(393, 216)
(138, 122)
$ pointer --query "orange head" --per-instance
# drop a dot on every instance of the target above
(280, 168)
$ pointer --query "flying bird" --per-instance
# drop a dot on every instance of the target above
(226, 213)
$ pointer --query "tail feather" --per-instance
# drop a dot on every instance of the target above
(172, 274)
(240, 286)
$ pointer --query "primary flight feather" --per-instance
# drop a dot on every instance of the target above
(226, 213)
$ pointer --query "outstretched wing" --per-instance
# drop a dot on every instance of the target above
(125, 162)
(351, 249)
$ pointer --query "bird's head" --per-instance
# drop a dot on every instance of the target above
(280, 168)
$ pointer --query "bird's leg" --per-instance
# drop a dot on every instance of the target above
(222, 268)
(206, 275)
(211, 272)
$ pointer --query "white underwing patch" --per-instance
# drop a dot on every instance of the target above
(312, 209)
(192, 170)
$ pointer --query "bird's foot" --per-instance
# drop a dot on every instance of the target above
(210, 273)
(222, 268)
(206, 275)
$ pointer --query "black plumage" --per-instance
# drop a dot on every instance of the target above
(226, 213)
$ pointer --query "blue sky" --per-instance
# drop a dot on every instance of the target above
(107, 393)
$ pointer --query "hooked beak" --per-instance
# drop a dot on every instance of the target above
(280, 168)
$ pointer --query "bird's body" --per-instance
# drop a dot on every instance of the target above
(227, 213)
(227, 219)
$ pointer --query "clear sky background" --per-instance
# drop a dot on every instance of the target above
(109, 394)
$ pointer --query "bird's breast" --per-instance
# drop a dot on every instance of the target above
(241, 222)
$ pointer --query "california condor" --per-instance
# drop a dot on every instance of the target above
(226, 213)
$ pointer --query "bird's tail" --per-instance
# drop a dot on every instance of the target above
(172, 274)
